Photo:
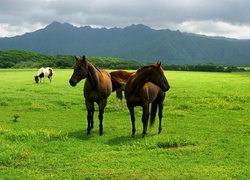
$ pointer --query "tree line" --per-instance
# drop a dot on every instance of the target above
(23, 59)
(207, 67)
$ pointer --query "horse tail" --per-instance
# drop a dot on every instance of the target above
(153, 112)
(119, 93)
(115, 85)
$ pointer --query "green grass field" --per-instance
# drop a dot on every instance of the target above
(206, 131)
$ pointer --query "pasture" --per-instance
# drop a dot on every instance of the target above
(206, 130)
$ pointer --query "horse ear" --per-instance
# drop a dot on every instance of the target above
(76, 58)
(158, 63)
(83, 58)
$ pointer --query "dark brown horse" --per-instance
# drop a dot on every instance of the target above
(97, 88)
(121, 77)
(147, 85)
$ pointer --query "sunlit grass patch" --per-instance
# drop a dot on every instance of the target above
(25, 135)
(184, 106)
(4, 102)
(175, 142)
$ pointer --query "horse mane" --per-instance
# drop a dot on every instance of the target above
(149, 66)
(88, 62)
(143, 68)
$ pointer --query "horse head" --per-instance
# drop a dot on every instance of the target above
(36, 79)
(158, 78)
(80, 71)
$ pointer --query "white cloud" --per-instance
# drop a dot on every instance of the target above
(228, 18)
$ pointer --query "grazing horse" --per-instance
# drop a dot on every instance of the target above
(147, 85)
(44, 72)
(121, 77)
(97, 88)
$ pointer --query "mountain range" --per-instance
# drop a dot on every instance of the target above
(135, 42)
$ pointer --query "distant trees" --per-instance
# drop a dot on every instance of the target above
(24, 59)
(208, 67)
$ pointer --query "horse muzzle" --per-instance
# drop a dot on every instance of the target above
(72, 83)
(165, 88)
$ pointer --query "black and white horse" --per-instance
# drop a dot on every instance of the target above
(44, 72)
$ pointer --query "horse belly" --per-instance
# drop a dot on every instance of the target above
(46, 73)
(95, 96)
(134, 100)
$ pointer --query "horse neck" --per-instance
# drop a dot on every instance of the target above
(93, 75)
(40, 71)
(139, 80)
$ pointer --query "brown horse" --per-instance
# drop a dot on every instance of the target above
(147, 85)
(121, 77)
(97, 88)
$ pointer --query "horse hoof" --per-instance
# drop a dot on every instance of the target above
(101, 134)
(133, 136)
(144, 136)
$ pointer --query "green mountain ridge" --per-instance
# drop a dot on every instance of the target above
(135, 42)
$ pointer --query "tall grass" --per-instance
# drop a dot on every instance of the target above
(206, 131)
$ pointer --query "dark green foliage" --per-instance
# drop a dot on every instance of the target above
(23, 59)
(208, 67)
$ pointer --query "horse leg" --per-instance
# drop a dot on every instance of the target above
(122, 104)
(145, 116)
(92, 119)
(102, 105)
(90, 108)
(132, 116)
(117, 104)
(118, 97)
(161, 104)
(160, 116)
(122, 101)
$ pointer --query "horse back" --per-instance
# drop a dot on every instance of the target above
(119, 79)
